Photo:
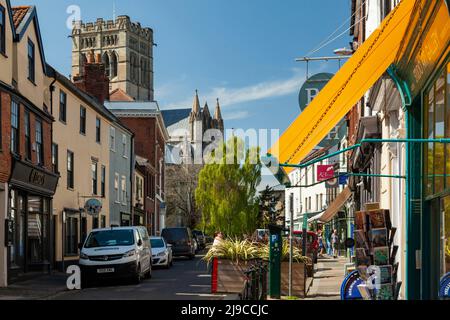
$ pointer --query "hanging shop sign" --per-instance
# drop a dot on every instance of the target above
(343, 180)
(308, 92)
(325, 172)
(93, 207)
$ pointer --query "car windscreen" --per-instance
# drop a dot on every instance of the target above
(110, 238)
(175, 234)
(157, 243)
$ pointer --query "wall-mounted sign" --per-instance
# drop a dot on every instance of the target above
(308, 92)
(29, 177)
(325, 172)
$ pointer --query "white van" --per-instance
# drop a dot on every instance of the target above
(122, 252)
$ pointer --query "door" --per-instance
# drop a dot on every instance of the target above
(435, 245)
(17, 258)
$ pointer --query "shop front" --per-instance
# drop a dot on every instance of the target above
(425, 71)
(29, 220)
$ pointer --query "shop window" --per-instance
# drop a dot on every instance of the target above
(14, 127)
(436, 126)
(2, 30)
(37, 229)
(39, 143)
(71, 236)
(27, 135)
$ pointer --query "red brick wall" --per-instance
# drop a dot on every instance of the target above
(5, 155)
(144, 140)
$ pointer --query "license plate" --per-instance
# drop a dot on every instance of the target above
(107, 270)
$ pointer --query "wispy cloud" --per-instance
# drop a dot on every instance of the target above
(255, 92)
(239, 115)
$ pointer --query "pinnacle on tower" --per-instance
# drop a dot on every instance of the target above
(196, 106)
(218, 112)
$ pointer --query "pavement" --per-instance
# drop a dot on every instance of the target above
(330, 274)
(40, 288)
(186, 280)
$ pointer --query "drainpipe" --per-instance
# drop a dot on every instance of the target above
(52, 219)
(405, 95)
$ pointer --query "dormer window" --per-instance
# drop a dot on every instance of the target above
(31, 61)
(2, 30)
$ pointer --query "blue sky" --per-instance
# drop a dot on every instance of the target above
(242, 51)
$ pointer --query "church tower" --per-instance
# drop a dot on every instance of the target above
(126, 49)
(218, 120)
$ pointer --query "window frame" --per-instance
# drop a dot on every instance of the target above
(2, 30)
(98, 130)
(103, 182)
(62, 107)
(55, 158)
(94, 177)
(39, 140)
(27, 134)
(83, 117)
(72, 224)
(117, 187)
(123, 190)
(31, 61)
(71, 172)
(112, 139)
(15, 131)
(124, 146)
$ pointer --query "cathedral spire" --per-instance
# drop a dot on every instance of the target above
(218, 113)
(196, 106)
(206, 110)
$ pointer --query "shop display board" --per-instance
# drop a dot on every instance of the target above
(375, 255)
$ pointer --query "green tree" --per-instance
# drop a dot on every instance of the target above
(226, 192)
(269, 210)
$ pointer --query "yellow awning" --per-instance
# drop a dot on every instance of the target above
(337, 98)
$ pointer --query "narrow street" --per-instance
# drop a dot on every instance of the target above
(186, 280)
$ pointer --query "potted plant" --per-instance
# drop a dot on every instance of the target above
(230, 259)
(300, 262)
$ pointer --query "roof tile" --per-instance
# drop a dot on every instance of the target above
(18, 14)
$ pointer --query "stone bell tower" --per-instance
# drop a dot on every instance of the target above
(126, 49)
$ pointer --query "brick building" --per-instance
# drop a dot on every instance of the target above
(144, 119)
(27, 178)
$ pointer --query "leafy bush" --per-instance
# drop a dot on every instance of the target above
(244, 250)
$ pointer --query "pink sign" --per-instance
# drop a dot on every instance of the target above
(325, 172)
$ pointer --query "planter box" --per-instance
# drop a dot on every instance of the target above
(298, 279)
(230, 276)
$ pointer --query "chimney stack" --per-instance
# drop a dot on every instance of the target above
(94, 81)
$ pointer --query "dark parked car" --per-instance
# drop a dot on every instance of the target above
(201, 239)
(182, 241)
